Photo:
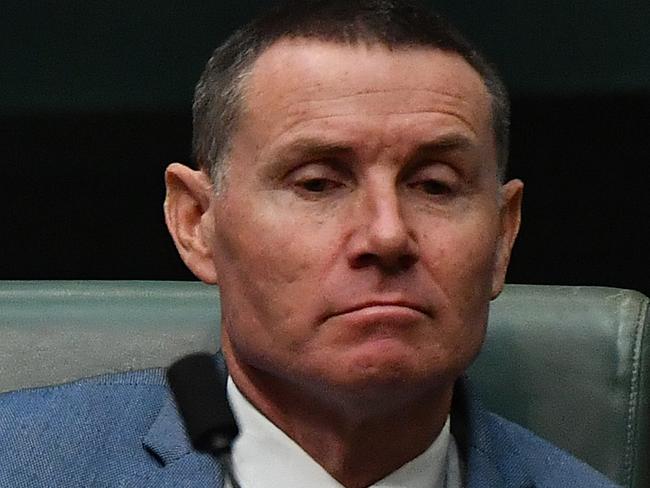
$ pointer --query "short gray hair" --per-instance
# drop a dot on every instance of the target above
(219, 94)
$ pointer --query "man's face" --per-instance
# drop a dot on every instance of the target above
(362, 230)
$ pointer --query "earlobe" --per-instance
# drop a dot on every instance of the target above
(187, 206)
(510, 219)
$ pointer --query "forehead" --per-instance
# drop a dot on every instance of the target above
(300, 81)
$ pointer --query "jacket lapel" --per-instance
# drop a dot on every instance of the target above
(166, 439)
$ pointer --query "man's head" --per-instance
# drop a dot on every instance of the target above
(220, 94)
(362, 227)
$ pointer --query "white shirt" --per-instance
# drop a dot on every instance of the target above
(265, 457)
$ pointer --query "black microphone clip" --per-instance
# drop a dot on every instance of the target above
(200, 395)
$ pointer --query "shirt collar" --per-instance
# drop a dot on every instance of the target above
(265, 456)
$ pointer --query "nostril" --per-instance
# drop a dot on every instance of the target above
(364, 260)
(391, 264)
(406, 261)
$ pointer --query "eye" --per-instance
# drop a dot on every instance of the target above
(317, 185)
(433, 187)
(434, 180)
(316, 180)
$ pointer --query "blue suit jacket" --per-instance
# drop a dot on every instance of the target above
(123, 430)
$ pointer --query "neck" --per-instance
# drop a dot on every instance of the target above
(357, 440)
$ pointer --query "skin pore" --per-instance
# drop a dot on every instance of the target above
(358, 239)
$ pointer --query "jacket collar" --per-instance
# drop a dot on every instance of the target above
(491, 456)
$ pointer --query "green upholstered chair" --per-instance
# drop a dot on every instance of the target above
(570, 363)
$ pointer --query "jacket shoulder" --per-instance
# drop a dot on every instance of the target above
(85, 396)
(50, 432)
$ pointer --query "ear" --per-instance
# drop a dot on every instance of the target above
(187, 214)
(509, 221)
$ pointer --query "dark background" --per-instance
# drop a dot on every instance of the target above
(95, 100)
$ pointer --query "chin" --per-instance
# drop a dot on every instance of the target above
(390, 368)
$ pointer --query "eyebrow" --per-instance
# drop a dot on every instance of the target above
(441, 146)
(312, 147)
(447, 142)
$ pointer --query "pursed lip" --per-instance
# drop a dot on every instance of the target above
(382, 303)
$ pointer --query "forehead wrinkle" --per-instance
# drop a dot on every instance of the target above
(296, 123)
(370, 91)
(442, 96)
(296, 109)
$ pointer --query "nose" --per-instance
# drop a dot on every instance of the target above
(382, 237)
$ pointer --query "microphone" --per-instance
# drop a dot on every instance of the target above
(200, 394)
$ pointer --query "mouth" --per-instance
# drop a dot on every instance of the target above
(398, 306)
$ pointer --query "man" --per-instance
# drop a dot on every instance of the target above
(350, 205)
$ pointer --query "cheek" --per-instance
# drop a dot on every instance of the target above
(462, 268)
(463, 263)
(268, 274)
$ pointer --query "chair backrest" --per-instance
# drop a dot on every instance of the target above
(570, 363)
